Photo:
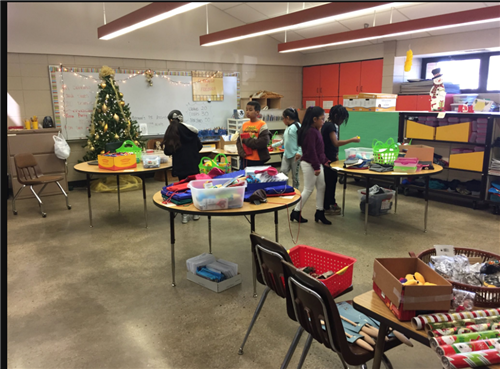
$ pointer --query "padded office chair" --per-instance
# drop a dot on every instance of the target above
(310, 303)
(30, 174)
(268, 256)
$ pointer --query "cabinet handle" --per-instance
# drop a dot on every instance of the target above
(357, 88)
(361, 89)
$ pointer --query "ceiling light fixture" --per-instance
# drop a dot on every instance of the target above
(143, 17)
(304, 18)
(444, 21)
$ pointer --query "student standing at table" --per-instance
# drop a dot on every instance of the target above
(253, 139)
(313, 159)
(293, 152)
(330, 132)
(182, 142)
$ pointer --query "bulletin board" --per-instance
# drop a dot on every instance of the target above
(74, 93)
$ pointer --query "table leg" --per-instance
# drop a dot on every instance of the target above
(367, 204)
(143, 177)
(166, 177)
(209, 234)
(379, 346)
(396, 185)
(172, 246)
(254, 267)
(426, 202)
(276, 225)
(90, 204)
(118, 190)
(343, 195)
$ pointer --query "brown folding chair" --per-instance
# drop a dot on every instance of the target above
(268, 256)
(310, 303)
(30, 174)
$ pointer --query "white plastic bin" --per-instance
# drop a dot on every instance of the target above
(378, 204)
(216, 198)
(151, 161)
(464, 98)
(359, 153)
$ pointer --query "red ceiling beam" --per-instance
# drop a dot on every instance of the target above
(466, 16)
(302, 16)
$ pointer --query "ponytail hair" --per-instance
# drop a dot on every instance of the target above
(338, 114)
(291, 113)
(172, 139)
(311, 113)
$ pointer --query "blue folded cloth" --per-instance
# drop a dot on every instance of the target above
(178, 196)
(210, 274)
(271, 190)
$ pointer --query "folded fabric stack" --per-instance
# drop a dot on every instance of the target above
(273, 191)
(494, 191)
(472, 187)
(357, 163)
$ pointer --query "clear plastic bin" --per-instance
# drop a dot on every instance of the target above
(216, 198)
(464, 98)
(359, 153)
(378, 204)
(151, 161)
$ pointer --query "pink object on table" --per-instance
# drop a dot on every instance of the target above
(271, 171)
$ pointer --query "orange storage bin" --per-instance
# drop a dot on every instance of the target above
(469, 161)
(455, 132)
(418, 130)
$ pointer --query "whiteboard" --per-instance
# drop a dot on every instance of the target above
(74, 94)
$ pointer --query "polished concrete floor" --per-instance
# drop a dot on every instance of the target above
(101, 297)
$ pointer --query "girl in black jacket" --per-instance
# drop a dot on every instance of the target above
(182, 142)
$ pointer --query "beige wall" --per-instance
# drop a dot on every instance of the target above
(29, 86)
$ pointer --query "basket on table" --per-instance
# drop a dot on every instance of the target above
(385, 153)
(323, 261)
(130, 146)
(485, 296)
(207, 164)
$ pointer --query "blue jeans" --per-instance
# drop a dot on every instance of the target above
(293, 165)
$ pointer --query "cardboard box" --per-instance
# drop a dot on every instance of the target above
(422, 152)
(223, 143)
(351, 102)
(119, 162)
(378, 102)
(214, 286)
(386, 274)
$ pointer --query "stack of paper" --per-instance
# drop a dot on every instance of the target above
(200, 260)
(227, 268)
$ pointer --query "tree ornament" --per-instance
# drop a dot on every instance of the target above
(121, 95)
(104, 108)
(96, 137)
(122, 103)
(103, 85)
(105, 128)
(129, 124)
(92, 148)
(107, 96)
(102, 152)
(117, 137)
(149, 76)
(116, 117)
(137, 143)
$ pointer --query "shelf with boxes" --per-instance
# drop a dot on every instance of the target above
(464, 140)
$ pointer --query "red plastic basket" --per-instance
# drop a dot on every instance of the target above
(323, 261)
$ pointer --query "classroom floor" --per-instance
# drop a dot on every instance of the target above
(81, 297)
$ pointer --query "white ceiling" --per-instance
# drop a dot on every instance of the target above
(71, 28)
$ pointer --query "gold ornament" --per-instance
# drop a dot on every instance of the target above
(92, 148)
(107, 96)
(117, 137)
(122, 103)
(96, 137)
(137, 143)
(116, 117)
(104, 108)
(129, 124)
(121, 95)
(103, 85)
(106, 71)
(102, 152)
(105, 128)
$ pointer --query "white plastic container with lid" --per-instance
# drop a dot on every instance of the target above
(464, 98)
(359, 153)
(216, 198)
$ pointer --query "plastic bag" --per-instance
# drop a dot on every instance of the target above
(61, 147)
(108, 184)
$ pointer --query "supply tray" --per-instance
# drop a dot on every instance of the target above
(323, 261)
(485, 296)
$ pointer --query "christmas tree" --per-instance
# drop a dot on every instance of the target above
(111, 118)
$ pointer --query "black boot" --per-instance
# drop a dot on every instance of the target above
(296, 216)
(320, 217)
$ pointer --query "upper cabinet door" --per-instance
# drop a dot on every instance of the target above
(349, 78)
(311, 81)
(371, 76)
(329, 80)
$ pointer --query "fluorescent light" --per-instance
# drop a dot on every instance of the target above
(445, 21)
(305, 18)
(143, 17)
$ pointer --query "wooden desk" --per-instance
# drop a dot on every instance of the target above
(371, 305)
(140, 170)
(274, 204)
(339, 166)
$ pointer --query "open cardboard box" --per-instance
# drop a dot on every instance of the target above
(406, 300)
(223, 143)
(422, 152)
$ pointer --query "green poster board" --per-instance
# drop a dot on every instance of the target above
(368, 125)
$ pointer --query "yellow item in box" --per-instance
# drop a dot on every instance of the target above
(469, 161)
(417, 130)
(118, 162)
(459, 132)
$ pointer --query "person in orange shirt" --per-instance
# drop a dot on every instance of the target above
(253, 139)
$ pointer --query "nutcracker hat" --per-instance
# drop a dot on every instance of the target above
(436, 73)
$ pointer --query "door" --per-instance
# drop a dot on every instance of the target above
(329, 80)
(406, 103)
(423, 102)
(371, 76)
(311, 81)
(349, 78)
(327, 102)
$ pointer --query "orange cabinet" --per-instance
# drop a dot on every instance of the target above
(362, 76)
(321, 80)
(327, 102)
(311, 80)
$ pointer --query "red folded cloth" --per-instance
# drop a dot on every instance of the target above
(182, 185)
(271, 171)
(248, 150)
(281, 194)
